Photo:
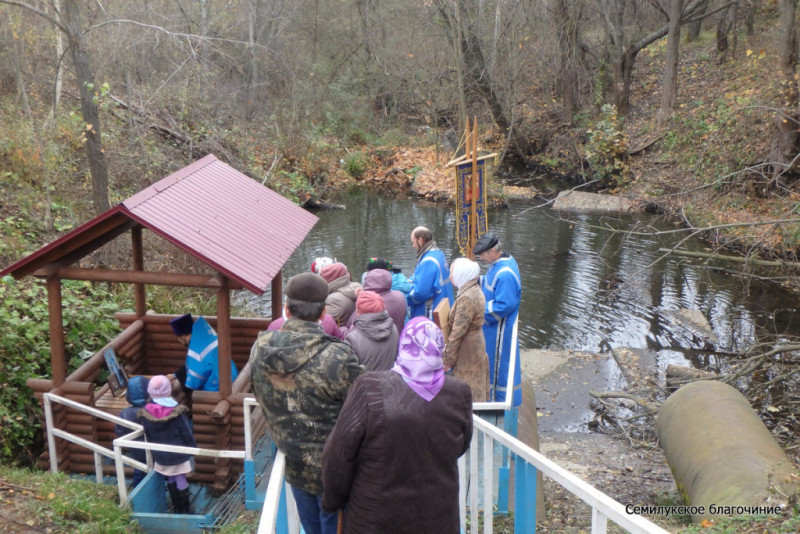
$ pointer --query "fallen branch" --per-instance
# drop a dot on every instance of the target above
(645, 147)
(720, 257)
(620, 395)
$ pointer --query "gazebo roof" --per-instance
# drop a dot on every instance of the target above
(209, 209)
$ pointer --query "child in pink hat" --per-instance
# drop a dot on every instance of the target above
(165, 421)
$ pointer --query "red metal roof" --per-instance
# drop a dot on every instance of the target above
(219, 215)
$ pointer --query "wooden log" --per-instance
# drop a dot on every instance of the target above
(136, 336)
(720, 452)
(97, 360)
(39, 385)
(133, 353)
(677, 375)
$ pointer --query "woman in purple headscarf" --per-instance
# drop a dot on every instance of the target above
(391, 457)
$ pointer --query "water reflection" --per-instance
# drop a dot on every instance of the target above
(585, 285)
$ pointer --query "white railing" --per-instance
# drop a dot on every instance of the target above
(278, 514)
(512, 364)
(604, 508)
(128, 441)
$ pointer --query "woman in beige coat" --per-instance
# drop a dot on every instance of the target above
(465, 354)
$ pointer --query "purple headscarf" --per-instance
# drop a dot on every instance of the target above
(419, 357)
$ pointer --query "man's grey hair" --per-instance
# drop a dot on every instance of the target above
(304, 310)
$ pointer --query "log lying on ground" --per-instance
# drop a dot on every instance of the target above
(720, 452)
(677, 375)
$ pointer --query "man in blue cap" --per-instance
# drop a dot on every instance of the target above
(201, 371)
(502, 288)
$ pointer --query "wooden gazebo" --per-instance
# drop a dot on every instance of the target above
(242, 231)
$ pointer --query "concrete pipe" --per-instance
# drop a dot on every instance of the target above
(723, 458)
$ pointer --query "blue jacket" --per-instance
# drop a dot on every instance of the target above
(202, 359)
(502, 289)
(430, 284)
(136, 395)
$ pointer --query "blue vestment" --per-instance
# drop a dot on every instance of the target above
(202, 359)
(430, 284)
(502, 288)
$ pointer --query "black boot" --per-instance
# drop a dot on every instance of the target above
(173, 496)
(184, 501)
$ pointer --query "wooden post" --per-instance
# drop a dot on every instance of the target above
(139, 295)
(277, 296)
(224, 340)
(473, 218)
(57, 357)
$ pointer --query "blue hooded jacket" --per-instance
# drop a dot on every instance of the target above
(136, 395)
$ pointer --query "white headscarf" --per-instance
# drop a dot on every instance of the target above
(464, 270)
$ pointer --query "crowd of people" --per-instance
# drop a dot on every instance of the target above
(373, 407)
(369, 402)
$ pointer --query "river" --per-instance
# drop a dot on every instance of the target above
(589, 283)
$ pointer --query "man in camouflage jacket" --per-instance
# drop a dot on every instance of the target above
(300, 378)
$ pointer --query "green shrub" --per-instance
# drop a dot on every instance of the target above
(607, 149)
(88, 318)
(355, 164)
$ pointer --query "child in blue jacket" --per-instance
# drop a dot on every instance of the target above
(136, 395)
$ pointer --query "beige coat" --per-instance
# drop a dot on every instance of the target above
(466, 348)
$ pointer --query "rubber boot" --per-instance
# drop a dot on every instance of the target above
(184, 501)
(174, 497)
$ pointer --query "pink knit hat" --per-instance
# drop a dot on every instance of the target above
(159, 387)
(369, 302)
(332, 272)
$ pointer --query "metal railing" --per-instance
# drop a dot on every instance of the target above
(477, 490)
(129, 441)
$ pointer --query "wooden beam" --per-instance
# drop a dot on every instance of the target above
(277, 296)
(143, 277)
(224, 341)
(473, 217)
(57, 358)
(139, 295)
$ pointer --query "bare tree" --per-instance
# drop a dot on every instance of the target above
(669, 86)
(68, 21)
(724, 25)
(567, 16)
(622, 50)
(696, 25)
(786, 143)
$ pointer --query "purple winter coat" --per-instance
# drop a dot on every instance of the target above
(374, 340)
(380, 281)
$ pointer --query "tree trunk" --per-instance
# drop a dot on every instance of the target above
(693, 28)
(669, 87)
(749, 17)
(251, 37)
(59, 69)
(724, 25)
(623, 76)
(94, 148)
(568, 37)
(787, 141)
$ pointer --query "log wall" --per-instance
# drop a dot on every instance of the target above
(147, 346)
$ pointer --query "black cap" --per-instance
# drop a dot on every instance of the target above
(309, 287)
(484, 243)
(379, 263)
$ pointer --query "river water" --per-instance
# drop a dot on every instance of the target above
(588, 285)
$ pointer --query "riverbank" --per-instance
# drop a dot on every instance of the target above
(633, 472)
(631, 475)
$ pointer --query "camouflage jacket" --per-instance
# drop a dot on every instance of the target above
(301, 377)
